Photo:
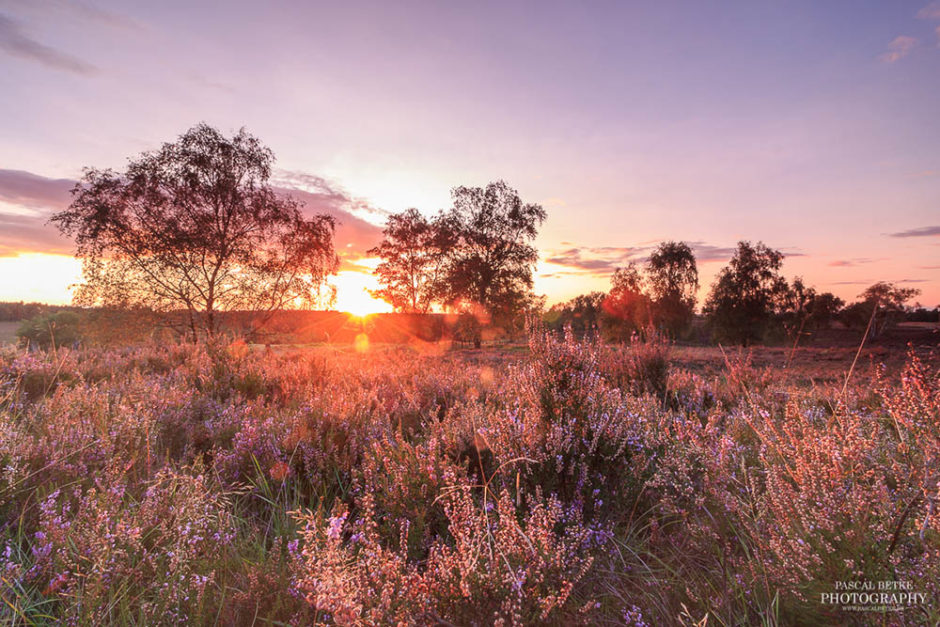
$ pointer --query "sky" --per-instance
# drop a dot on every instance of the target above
(810, 126)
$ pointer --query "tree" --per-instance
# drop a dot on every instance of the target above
(796, 306)
(746, 294)
(582, 313)
(414, 258)
(673, 282)
(823, 309)
(195, 227)
(626, 307)
(883, 304)
(492, 258)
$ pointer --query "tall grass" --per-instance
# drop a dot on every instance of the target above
(577, 483)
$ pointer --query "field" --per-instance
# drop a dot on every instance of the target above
(560, 482)
(8, 332)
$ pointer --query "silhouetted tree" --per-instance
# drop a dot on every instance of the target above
(414, 259)
(747, 294)
(582, 313)
(194, 226)
(885, 301)
(796, 305)
(672, 276)
(626, 307)
(823, 309)
(492, 258)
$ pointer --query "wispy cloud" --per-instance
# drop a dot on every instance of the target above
(76, 8)
(930, 12)
(924, 231)
(899, 48)
(705, 253)
(595, 260)
(605, 259)
(15, 41)
(40, 197)
(851, 263)
(32, 191)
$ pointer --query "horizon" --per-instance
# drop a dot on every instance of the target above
(810, 128)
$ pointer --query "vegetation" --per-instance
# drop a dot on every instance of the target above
(414, 255)
(477, 257)
(50, 330)
(576, 483)
(746, 294)
(672, 275)
(195, 227)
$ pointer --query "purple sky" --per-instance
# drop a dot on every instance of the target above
(812, 126)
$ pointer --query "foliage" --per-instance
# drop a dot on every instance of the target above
(414, 256)
(823, 309)
(583, 314)
(50, 330)
(490, 263)
(746, 294)
(627, 306)
(672, 276)
(575, 483)
(194, 226)
(882, 304)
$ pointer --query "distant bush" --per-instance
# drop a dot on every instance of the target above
(51, 330)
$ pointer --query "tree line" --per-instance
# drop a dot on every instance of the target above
(195, 229)
(750, 301)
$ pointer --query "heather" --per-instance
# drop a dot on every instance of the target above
(572, 482)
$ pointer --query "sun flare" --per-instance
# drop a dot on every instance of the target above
(352, 294)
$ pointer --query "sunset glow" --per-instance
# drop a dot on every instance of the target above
(631, 125)
(352, 294)
(35, 277)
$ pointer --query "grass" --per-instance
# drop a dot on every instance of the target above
(556, 482)
(8, 332)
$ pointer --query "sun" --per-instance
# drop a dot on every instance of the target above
(352, 294)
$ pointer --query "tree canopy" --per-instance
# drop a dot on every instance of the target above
(672, 276)
(627, 306)
(491, 260)
(746, 294)
(195, 227)
(414, 258)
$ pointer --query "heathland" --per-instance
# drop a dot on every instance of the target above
(562, 481)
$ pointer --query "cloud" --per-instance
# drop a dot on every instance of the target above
(924, 231)
(606, 259)
(930, 12)
(851, 263)
(929, 267)
(31, 233)
(899, 48)
(596, 260)
(328, 189)
(354, 235)
(33, 191)
(17, 43)
(40, 197)
(705, 253)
